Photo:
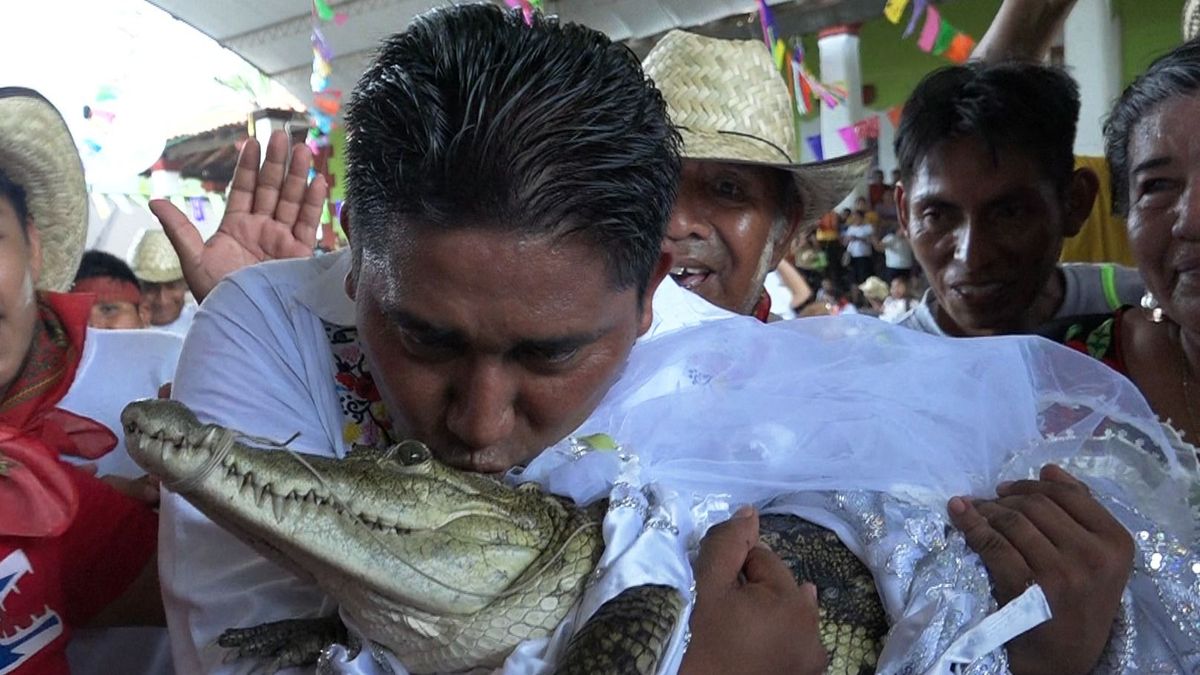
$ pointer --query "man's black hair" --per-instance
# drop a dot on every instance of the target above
(15, 194)
(101, 264)
(1011, 105)
(471, 116)
(1176, 74)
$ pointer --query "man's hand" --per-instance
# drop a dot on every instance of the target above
(144, 489)
(1053, 532)
(750, 615)
(269, 215)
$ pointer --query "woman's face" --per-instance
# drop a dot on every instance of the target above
(1164, 211)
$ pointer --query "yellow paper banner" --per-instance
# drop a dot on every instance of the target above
(894, 10)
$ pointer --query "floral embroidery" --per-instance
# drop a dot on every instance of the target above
(366, 421)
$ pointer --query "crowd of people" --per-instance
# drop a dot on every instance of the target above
(614, 208)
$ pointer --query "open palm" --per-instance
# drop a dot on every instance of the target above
(272, 213)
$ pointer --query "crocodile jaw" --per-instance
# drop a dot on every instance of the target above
(348, 530)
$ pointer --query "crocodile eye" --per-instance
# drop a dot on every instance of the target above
(411, 453)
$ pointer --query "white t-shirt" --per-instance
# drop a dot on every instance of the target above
(117, 367)
(261, 331)
(1083, 293)
(897, 252)
(781, 296)
(894, 308)
(860, 249)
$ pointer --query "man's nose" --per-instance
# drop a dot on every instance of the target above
(688, 219)
(972, 245)
(481, 413)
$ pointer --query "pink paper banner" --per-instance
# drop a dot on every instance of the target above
(929, 34)
(850, 138)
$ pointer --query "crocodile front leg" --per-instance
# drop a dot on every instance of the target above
(627, 635)
(287, 643)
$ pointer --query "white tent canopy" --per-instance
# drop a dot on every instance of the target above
(273, 35)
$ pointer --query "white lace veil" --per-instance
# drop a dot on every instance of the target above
(851, 403)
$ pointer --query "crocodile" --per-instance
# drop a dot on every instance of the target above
(451, 570)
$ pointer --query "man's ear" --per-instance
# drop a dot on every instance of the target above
(661, 268)
(1081, 199)
(344, 219)
(902, 207)
(351, 281)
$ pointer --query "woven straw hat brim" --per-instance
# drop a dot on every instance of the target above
(154, 259)
(158, 277)
(731, 105)
(821, 185)
(1191, 19)
(38, 153)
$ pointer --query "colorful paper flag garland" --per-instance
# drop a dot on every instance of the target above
(789, 59)
(326, 102)
(938, 36)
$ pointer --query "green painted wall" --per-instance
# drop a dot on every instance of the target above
(895, 65)
(1148, 29)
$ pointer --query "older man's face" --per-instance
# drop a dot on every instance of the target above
(727, 231)
(490, 347)
(164, 301)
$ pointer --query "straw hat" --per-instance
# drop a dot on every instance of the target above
(874, 288)
(154, 260)
(38, 153)
(1191, 19)
(730, 104)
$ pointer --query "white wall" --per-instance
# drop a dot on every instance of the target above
(1092, 52)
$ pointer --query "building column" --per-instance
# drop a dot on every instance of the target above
(840, 66)
(1092, 54)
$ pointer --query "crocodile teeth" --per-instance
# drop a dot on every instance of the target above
(247, 489)
(277, 507)
(263, 494)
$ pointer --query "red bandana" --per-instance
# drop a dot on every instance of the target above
(37, 496)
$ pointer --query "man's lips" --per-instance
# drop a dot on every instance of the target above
(978, 291)
(484, 461)
(690, 276)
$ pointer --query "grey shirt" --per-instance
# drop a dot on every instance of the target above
(1083, 293)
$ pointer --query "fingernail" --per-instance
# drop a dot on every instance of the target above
(1003, 486)
(811, 591)
(958, 506)
(760, 544)
(744, 511)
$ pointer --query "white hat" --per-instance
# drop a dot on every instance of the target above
(874, 288)
(730, 104)
(38, 153)
(154, 260)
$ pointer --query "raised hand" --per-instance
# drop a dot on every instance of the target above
(1053, 532)
(271, 213)
(750, 615)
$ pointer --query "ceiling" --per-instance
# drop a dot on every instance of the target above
(273, 35)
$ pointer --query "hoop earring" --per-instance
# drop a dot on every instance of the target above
(1152, 308)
